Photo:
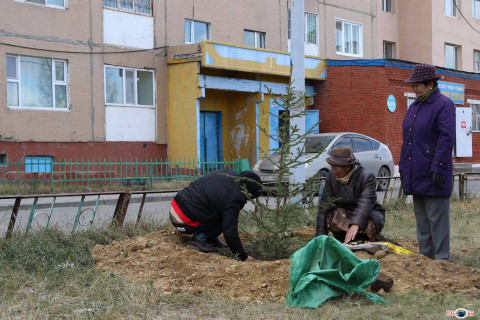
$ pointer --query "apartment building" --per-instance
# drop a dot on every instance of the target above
(149, 78)
(444, 33)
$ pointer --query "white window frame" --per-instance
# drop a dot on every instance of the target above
(476, 9)
(124, 84)
(45, 3)
(475, 105)
(476, 60)
(55, 83)
(360, 38)
(192, 35)
(385, 4)
(116, 4)
(450, 9)
(255, 33)
(305, 26)
(456, 55)
(393, 49)
(305, 32)
(411, 97)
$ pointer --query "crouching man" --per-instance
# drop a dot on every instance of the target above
(355, 214)
(210, 206)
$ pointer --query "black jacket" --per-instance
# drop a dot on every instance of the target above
(216, 197)
(358, 195)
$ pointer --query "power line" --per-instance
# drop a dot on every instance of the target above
(455, 3)
(84, 52)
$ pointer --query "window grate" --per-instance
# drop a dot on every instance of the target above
(134, 6)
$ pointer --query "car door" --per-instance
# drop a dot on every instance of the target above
(366, 155)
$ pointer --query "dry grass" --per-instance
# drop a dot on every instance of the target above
(51, 275)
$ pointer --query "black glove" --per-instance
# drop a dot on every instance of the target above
(438, 179)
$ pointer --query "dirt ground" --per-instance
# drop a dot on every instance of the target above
(163, 258)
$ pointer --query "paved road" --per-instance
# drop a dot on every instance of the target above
(156, 208)
(65, 210)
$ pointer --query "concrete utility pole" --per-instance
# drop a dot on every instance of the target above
(298, 78)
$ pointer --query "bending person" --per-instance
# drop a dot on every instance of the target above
(210, 206)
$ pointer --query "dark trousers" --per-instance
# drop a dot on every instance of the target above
(212, 229)
(433, 225)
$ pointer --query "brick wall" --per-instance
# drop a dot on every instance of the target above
(17, 151)
(354, 99)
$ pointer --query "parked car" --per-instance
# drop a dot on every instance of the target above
(374, 156)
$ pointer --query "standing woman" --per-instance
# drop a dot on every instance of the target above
(426, 161)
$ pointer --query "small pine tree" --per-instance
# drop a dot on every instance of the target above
(276, 215)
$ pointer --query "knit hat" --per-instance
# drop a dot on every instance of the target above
(253, 183)
(341, 156)
(423, 72)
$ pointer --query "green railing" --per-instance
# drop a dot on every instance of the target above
(126, 172)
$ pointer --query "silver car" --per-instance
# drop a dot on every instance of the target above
(373, 155)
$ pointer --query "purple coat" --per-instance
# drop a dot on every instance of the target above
(428, 138)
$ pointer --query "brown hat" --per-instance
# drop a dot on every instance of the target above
(423, 72)
(341, 156)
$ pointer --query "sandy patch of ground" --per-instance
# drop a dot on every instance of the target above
(162, 257)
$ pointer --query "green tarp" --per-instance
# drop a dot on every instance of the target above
(325, 268)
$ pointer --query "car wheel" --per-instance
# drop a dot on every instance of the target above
(383, 183)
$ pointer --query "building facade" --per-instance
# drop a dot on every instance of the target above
(149, 78)
(371, 97)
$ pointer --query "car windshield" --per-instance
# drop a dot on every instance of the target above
(317, 144)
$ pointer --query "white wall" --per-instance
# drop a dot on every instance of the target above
(130, 123)
(126, 29)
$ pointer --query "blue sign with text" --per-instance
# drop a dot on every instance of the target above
(454, 91)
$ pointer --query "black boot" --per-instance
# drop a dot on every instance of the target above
(200, 246)
(217, 242)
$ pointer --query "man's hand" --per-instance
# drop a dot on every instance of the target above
(351, 233)
(250, 259)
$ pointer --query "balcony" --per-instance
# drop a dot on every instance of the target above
(134, 6)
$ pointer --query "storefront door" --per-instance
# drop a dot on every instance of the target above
(211, 136)
(463, 126)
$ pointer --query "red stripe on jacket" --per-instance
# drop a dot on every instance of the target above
(182, 216)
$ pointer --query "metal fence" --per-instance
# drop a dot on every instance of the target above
(465, 185)
(44, 171)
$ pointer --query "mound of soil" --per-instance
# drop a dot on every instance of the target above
(162, 257)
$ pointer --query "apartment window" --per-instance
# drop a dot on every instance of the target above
(476, 8)
(48, 3)
(38, 163)
(410, 100)
(310, 26)
(476, 60)
(387, 5)
(36, 82)
(411, 97)
(349, 38)
(254, 39)
(196, 31)
(475, 117)
(135, 6)
(388, 50)
(451, 8)
(451, 56)
(125, 86)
